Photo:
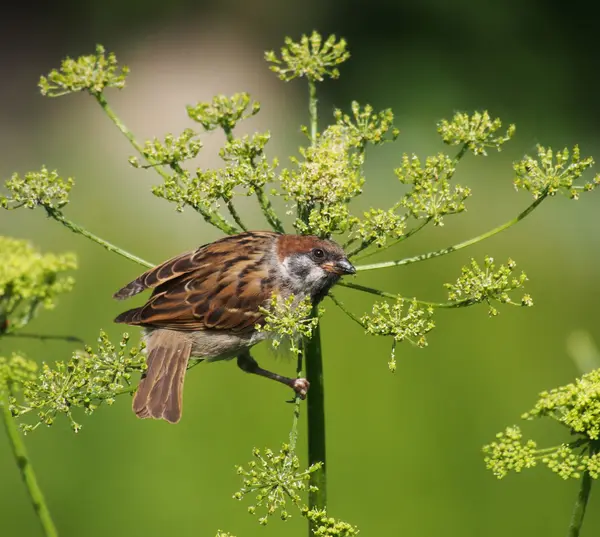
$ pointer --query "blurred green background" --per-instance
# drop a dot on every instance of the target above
(404, 449)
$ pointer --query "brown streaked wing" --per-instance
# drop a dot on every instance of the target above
(224, 292)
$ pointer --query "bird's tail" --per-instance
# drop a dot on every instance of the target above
(160, 392)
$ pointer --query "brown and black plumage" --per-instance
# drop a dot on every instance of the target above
(206, 304)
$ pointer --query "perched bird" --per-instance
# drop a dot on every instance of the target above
(205, 304)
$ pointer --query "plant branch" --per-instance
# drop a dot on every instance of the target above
(581, 503)
(312, 110)
(59, 217)
(317, 499)
(236, 217)
(460, 245)
(27, 474)
(44, 337)
(407, 235)
(268, 211)
(448, 305)
(340, 305)
(214, 219)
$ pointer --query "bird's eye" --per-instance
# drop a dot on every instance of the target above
(318, 253)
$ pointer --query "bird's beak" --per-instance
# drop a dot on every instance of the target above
(341, 266)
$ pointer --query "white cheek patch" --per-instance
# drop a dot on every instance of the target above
(304, 275)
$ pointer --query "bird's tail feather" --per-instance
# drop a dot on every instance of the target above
(160, 392)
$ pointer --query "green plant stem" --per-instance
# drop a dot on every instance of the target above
(59, 217)
(340, 305)
(460, 245)
(407, 235)
(214, 219)
(449, 305)
(317, 499)
(297, 401)
(126, 132)
(27, 474)
(263, 199)
(312, 110)
(45, 337)
(268, 211)
(580, 505)
(235, 215)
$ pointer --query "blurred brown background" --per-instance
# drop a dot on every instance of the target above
(405, 449)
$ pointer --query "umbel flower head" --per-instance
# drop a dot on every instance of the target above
(92, 73)
(312, 58)
(29, 280)
(87, 380)
(576, 406)
(44, 188)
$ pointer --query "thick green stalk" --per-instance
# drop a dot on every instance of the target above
(317, 499)
(59, 217)
(27, 474)
(460, 245)
(580, 505)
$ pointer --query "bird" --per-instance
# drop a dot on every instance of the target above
(207, 304)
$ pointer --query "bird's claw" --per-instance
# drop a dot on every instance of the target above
(301, 386)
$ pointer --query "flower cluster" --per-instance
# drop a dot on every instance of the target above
(410, 323)
(551, 172)
(44, 188)
(29, 280)
(324, 182)
(311, 57)
(365, 126)
(277, 479)
(86, 381)
(288, 319)
(223, 112)
(378, 225)
(487, 284)
(92, 73)
(431, 195)
(476, 132)
(326, 526)
(14, 373)
(172, 150)
(576, 406)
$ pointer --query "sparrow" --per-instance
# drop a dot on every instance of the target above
(206, 304)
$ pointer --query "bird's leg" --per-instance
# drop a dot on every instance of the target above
(249, 365)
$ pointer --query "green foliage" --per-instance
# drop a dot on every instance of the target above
(91, 73)
(475, 132)
(223, 112)
(29, 280)
(551, 173)
(431, 195)
(476, 285)
(86, 381)
(277, 479)
(288, 319)
(43, 188)
(311, 57)
(575, 406)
